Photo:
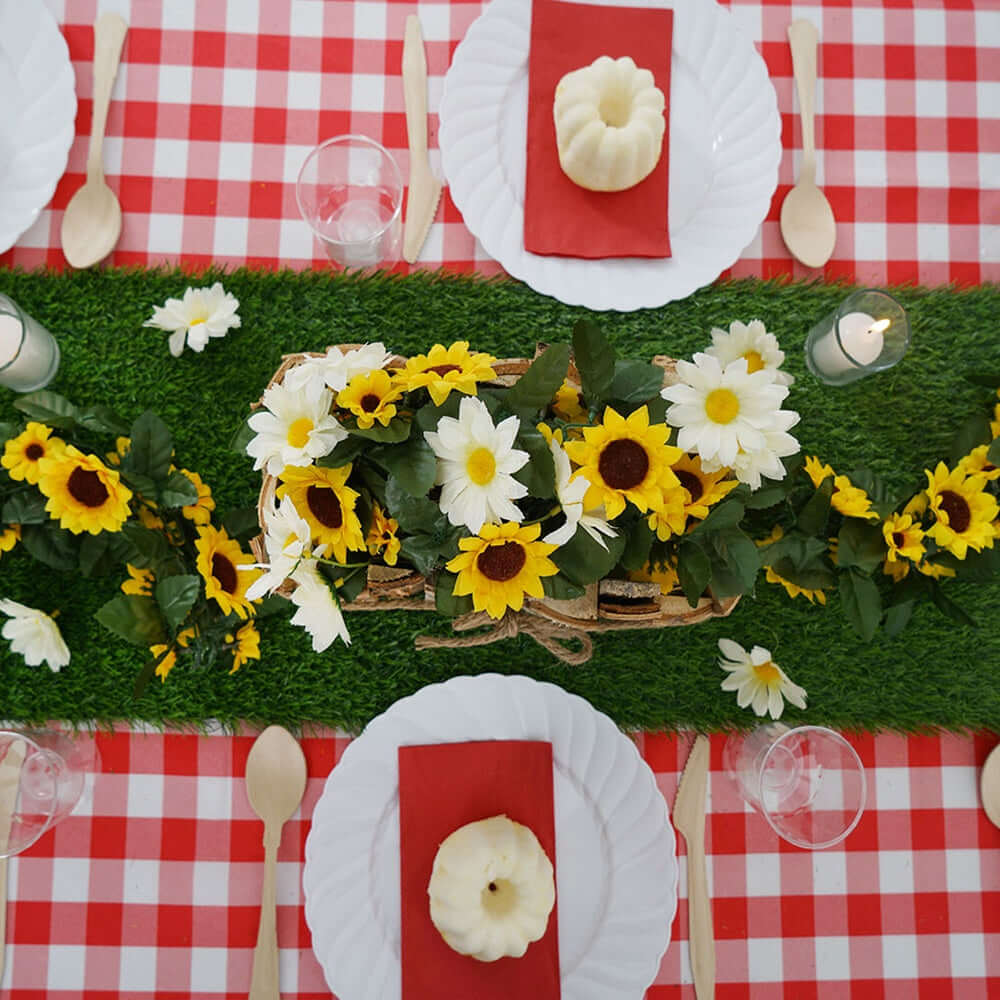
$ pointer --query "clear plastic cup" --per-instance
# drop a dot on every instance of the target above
(350, 192)
(29, 354)
(807, 782)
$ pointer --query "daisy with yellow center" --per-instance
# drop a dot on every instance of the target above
(703, 488)
(201, 314)
(326, 503)
(963, 511)
(140, 581)
(169, 661)
(370, 397)
(977, 464)
(442, 369)
(753, 344)
(22, 455)
(793, 589)
(625, 459)
(9, 537)
(226, 569)
(757, 680)
(502, 565)
(568, 404)
(903, 538)
(244, 645)
(665, 576)
(382, 540)
(83, 493)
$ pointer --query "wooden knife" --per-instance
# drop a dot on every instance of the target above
(689, 818)
(425, 188)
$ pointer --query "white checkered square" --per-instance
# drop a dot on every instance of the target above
(892, 787)
(370, 20)
(235, 161)
(764, 875)
(214, 797)
(304, 90)
(968, 955)
(929, 27)
(869, 241)
(208, 970)
(66, 966)
(210, 883)
(829, 873)
(137, 970)
(895, 872)
(307, 18)
(239, 87)
(145, 795)
(435, 22)
(70, 880)
(165, 231)
(833, 958)
(764, 960)
(959, 788)
(932, 168)
(869, 26)
(367, 92)
(988, 26)
(170, 158)
(932, 241)
(899, 956)
(174, 84)
(931, 98)
(178, 15)
(243, 16)
(869, 97)
(870, 167)
(962, 870)
(141, 883)
(230, 238)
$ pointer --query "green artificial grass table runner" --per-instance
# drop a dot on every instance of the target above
(935, 674)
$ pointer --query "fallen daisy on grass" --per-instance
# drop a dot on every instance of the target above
(201, 314)
(757, 680)
(34, 635)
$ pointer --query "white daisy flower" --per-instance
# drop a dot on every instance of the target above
(318, 610)
(286, 539)
(476, 462)
(754, 344)
(293, 428)
(570, 493)
(723, 411)
(757, 680)
(336, 368)
(202, 313)
(749, 466)
(34, 635)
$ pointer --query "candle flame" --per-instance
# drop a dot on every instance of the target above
(880, 326)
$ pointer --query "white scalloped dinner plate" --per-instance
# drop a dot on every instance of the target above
(725, 146)
(37, 113)
(616, 869)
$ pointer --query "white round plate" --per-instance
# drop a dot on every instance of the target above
(725, 146)
(616, 870)
(37, 113)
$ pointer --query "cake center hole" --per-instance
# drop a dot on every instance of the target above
(499, 897)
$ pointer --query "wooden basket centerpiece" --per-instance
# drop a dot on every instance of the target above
(617, 571)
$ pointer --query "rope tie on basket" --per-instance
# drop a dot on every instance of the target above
(554, 637)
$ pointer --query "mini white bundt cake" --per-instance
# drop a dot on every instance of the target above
(609, 124)
(492, 889)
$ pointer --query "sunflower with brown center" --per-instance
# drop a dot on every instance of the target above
(976, 463)
(501, 565)
(703, 488)
(22, 455)
(225, 568)
(963, 511)
(625, 459)
(382, 538)
(442, 369)
(323, 498)
(904, 539)
(83, 493)
(371, 397)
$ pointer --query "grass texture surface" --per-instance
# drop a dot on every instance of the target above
(935, 674)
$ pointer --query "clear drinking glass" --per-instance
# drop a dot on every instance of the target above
(42, 774)
(807, 782)
(350, 192)
(29, 354)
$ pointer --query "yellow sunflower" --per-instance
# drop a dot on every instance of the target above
(245, 645)
(371, 397)
(666, 577)
(903, 537)
(220, 562)
(671, 518)
(817, 470)
(83, 493)
(382, 538)
(704, 488)
(898, 570)
(568, 404)
(140, 581)
(794, 589)
(625, 459)
(977, 464)
(850, 500)
(23, 454)
(200, 512)
(170, 660)
(963, 512)
(9, 537)
(501, 565)
(322, 497)
(443, 369)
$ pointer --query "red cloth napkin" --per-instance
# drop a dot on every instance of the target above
(443, 787)
(561, 217)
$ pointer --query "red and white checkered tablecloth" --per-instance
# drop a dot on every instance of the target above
(152, 886)
(217, 104)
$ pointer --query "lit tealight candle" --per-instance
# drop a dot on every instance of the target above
(29, 355)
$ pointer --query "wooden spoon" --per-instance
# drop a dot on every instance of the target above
(276, 782)
(92, 221)
(989, 786)
(807, 224)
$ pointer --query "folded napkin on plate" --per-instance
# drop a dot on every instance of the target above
(560, 217)
(442, 787)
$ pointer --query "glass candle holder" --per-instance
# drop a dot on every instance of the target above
(29, 354)
(867, 333)
(350, 192)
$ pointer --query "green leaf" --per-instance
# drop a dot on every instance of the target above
(694, 570)
(636, 381)
(8, 429)
(178, 491)
(273, 604)
(241, 523)
(898, 617)
(766, 496)
(176, 596)
(103, 420)
(138, 483)
(413, 465)
(445, 601)
(861, 544)
(536, 388)
(539, 472)
(740, 556)
(355, 581)
(657, 408)
(811, 576)
(242, 436)
(861, 602)
(25, 507)
(561, 588)
(134, 618)
(595, 360)
(814, 515)
(396, 431)
(638, 542)
(152, 448)
(344, 453)
(582, 560)
(48, 407)
(974, 432)
(913, 587)
(422, 552)
(93, 550)
(414, 514)
(427, 417)
(993, 452)
(721, 517)
(948, 607)
(148, 547)
(51, 545)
